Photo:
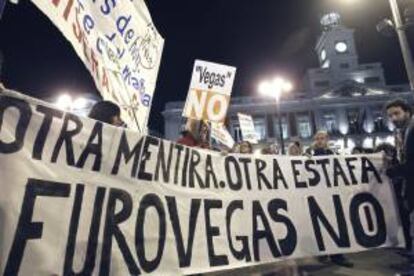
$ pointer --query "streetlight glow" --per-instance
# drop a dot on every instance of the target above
(287, 86)
(79, 103)
(265, 88)
(274, 89)
(64, 101)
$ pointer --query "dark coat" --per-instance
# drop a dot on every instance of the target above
(319, 151)
(405, 168)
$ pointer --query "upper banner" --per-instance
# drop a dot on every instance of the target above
(210, 90)
(120, 46)
(82, 197)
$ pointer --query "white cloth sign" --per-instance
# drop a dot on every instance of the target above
(221, 134)
(210, 90)
(120, 46)
(247, 128)
(79, 196)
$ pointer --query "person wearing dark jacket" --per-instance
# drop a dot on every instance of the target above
(320, 147)
(107, 112)
(400, 114)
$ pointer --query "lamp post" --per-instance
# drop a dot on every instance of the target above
(402, 37)
(386, 26)
(274, 89)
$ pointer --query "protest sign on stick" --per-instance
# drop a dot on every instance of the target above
(247, 128)
(210, 90)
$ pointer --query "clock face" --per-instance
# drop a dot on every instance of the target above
(341, 47)
(323, 54)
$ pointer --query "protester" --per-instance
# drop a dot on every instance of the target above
(246, 147)
(107, 112)
(271, 149)
(195, 134)
(400, 114)
(295, 149)
(320, 145)
(189, 136)
(390, 154)
(204, 130)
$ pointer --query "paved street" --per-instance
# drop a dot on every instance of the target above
(373, 263)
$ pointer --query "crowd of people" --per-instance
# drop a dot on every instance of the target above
(398, 160)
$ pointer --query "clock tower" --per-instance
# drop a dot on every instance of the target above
(336, 46)
(338, 60)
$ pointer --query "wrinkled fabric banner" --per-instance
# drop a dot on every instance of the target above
(79, 196)
(119, 45)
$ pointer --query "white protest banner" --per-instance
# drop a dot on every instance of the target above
(247, 128)
(210, 90)
(119, 45)
(220, 133)
(82, 197)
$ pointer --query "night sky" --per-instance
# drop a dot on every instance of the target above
(261, 38)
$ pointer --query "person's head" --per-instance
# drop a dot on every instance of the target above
(236, 148)
(192, 127)
(204, 131)
(357, 150)
(246, 147)
(294, 149)
(399, 112)
(270, 149)
(107, 112)
(320, 140)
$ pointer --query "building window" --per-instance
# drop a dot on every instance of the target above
(321, 83)
(344, 65)
(260, 127)
(397, 89)
(372, 80)
(354, 121)
(326, 64)
(285, 127)
(380, 123)
(329, 119)
(304, 126)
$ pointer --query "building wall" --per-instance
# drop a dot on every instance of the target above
(352, 113)
(301, 118)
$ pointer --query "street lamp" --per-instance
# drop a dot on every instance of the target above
(386, 26)
(64, 102)
(274, 89)
(80, 106)
(402, 36)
